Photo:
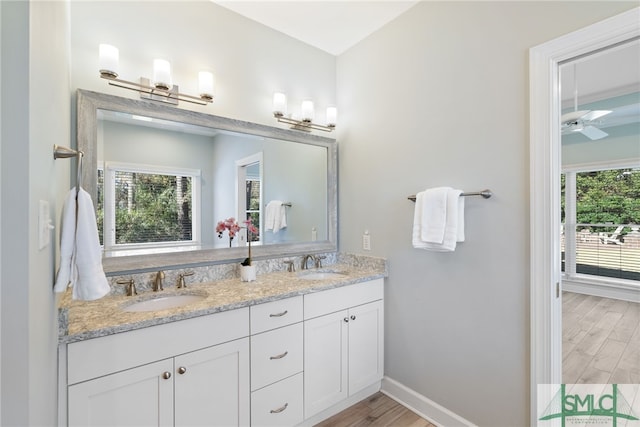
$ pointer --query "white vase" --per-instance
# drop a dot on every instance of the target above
(247, 273)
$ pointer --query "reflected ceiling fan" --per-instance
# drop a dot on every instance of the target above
(582, 121)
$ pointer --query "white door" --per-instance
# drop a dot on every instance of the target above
(212, 386)
(325, 361)
(366, 346)
(138, 397)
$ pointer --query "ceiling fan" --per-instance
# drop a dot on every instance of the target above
(582, 121)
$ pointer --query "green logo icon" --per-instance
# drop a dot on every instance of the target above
(611, 405)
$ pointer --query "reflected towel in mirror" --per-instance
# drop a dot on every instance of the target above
(275, 216)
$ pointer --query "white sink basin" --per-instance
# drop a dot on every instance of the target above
(320, 275)
(163, 303)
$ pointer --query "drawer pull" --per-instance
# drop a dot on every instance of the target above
(279, 314)
(277, 411)
(280, 356)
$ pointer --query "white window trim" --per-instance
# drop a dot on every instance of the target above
(109, 207)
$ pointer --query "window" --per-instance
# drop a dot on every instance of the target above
(252, 184)
(601, 223)
(147, 206)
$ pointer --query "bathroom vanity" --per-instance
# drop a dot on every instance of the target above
(281, 351)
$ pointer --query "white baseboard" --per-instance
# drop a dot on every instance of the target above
(421, 405)
(618, 291)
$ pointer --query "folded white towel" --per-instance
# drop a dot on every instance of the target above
(433, 220)
(275, 216)
(80, 253)
(437, 227)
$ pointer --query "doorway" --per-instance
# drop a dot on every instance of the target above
(545, 168)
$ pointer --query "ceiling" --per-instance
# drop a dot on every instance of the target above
(330, 25)
(608, 73)
(335, 25)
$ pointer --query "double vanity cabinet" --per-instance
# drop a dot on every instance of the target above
(283, 362)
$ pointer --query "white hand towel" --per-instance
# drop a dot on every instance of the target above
(434, 215)
(80, 253)
(275, 217)
(452, 216)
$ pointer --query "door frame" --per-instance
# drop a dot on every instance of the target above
(544, 186)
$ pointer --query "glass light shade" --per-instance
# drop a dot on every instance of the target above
(332, 116)
(162, 74)
(279, 104)
(109, 58)
(205, 84)
(307, 111)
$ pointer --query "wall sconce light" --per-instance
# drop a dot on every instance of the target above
(307, 113)
(160, 88)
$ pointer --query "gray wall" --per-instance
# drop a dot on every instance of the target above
(35, 115)
(440, 97)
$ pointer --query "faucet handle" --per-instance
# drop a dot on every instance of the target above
(290, 266)
(181, 281)
(319, 259)
(130, 286)
(157, 283)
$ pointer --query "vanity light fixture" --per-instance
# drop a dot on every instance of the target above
(160, 88)
(307, 112)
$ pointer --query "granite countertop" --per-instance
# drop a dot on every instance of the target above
(81, 320)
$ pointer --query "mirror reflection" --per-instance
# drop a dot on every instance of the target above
(163, 178)
(165, 184)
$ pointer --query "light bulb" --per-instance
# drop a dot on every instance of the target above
(307, 111)
(108, 61)
(205, 84)
(162, 74)
(279, 104)
(332, 116)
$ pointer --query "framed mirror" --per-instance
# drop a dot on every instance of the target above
(162, 178)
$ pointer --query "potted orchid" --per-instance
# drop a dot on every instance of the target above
(230, 225)
(247, 270)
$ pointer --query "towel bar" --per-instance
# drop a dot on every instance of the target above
(287, 204)
(484, 193)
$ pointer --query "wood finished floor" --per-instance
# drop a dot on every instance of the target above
(376, 411)
(600, 340)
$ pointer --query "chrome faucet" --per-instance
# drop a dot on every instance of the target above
(130, 286)
(157, 282)
(305, 260)
(181, 281)
(290, 266)
(318, 259)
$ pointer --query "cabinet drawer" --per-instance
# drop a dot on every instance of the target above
(275, 314)
(276, 355)
(279, 405)
(332, 300)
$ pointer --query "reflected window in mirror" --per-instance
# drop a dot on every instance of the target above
(146, 207)
(250, 179)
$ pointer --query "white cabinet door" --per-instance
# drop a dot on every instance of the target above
(325, 358)
(141, 396)
(366, 346)
(212, 386)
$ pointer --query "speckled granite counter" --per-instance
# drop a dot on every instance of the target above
(81, 320)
